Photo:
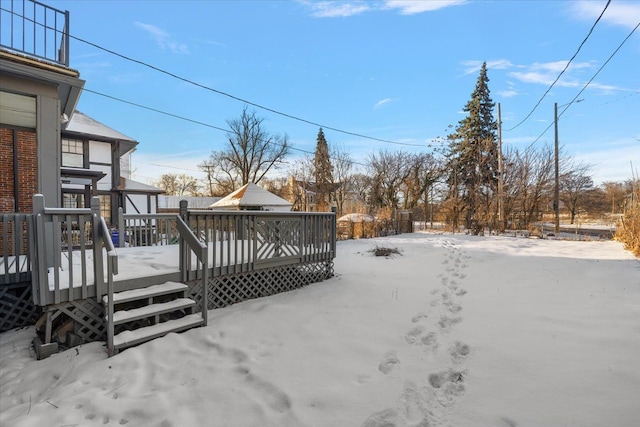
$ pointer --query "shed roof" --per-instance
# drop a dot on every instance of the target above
(356, 217)
(250, 195)
(193, 202)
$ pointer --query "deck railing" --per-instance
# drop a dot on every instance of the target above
(146, 229)
(238, 241)
(243, 241)
(16, 229)
(68, 253)
(35, 29)
(189, 244)
(63, 248)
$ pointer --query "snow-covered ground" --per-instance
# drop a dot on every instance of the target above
(455, 331)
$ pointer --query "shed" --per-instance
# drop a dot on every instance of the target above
(355, 225)
(253, 198)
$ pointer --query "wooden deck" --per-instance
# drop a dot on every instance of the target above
(64, 262)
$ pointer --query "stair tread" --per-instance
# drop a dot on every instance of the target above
(148, 292)
(129, 338)
(123, 316)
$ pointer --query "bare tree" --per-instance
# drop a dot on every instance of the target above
(388, 170)
(615, 194)
(424, 170)
(342, 166)
(250, 154)
(528, 183)
(575, 182)
(178, 184)
(360, 185)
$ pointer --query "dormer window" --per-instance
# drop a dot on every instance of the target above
(72, 153)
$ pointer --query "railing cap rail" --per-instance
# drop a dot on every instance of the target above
(148, 215)
(262, 213)
(67, 211)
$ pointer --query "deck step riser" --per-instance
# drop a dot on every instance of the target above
(130, 338)
(177, 302)
(124, 316)
(145, 293)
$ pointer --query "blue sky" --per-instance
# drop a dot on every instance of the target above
(393, 70)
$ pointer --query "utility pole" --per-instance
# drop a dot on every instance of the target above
(501, 222)
(556, 190)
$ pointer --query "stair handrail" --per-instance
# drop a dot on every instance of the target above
(202, 252)
(112, 269)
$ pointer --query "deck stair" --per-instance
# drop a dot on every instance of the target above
(141, 315)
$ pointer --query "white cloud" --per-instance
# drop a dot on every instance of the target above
(337, 9)
(510, 93)
(621, 13)
(163, 39)
(411, 7)
(614, 162)
(546, 73)
(382, 102)
(473, 66)
(340, 9)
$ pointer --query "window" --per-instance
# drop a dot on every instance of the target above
(72, 200)
(72, 153)
(105, 207)
(17, 110)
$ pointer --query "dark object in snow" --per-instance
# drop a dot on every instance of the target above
(382, 251)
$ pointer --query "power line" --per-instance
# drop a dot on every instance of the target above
(565, 69)
(166, 113)
(590, 80)
(254, 104)
(219, 92)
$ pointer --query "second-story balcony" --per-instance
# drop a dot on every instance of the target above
(34, 29)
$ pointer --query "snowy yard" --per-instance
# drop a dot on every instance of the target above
(455, 331)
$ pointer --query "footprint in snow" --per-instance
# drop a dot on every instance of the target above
(389, 362)
(459, 351)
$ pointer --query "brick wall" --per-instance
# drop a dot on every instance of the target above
(27, 170)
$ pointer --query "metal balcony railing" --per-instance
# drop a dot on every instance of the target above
(35, 29)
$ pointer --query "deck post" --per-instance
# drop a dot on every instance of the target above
(98, 266)
(45, 251)
(184, 262)
(333, 232)
(121, 231)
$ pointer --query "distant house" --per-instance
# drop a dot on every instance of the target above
(95, 160)
(302, 194)
(253, 198)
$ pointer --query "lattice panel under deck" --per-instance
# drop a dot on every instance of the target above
(16, 306)
(88, 316)
(227, 290)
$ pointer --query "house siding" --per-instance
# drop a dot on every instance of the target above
(26, 182)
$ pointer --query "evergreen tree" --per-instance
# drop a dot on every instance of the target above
(323, 174)
(473, 161)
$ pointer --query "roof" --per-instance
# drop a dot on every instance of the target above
(250, 195)
(356, 217)
(138, 187)
(83, 125)
(193, 202)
